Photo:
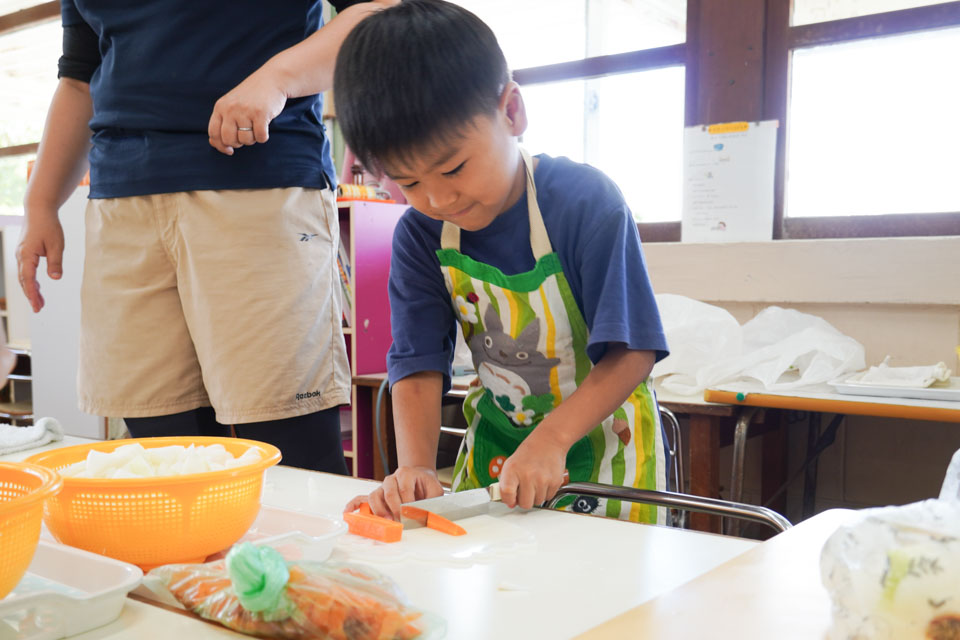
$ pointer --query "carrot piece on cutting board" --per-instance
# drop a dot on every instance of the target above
(433, 521)
(374, 527)
(415, 513)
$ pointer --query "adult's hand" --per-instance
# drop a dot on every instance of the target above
(242, 117)
(42, 237)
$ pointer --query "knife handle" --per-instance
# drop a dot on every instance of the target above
(494, 489)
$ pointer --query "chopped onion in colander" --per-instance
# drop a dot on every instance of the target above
(135, 461)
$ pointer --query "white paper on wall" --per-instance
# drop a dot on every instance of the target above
(728, 182)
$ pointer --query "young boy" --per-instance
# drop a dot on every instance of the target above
(538, 260)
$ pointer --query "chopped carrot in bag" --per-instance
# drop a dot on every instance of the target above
(255, 591)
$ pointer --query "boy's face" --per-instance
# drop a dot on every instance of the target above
(473, 178)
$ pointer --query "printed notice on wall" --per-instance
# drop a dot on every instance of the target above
(728, 182)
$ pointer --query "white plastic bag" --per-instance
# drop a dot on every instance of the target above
(895, 574)
(699, 335)
(711, 349)
(778, 341)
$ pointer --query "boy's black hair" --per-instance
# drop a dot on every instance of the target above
(412, 76)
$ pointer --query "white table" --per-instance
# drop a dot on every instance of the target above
(584, 571)
(772, 591)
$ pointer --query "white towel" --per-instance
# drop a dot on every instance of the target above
(13, 439)
(903, 376)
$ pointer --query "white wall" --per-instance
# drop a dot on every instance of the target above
(55, 331)
(897, 296)
(18, 310)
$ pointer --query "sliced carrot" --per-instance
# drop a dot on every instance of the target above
(441, 524)
(415, 513)
(374, 527)
(365, 509)
(433, 521)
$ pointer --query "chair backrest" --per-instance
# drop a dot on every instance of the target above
(674, 500)
(673, 445)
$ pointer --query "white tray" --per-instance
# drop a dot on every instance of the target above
(66, 591)
(849, 385)
(295, 534)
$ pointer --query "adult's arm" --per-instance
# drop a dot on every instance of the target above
(304, 69)
(61, 163)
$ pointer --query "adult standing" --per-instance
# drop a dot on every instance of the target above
(210, 294)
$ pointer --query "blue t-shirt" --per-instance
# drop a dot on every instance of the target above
(163, 66)
(593, 233)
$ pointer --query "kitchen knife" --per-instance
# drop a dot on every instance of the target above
(461, 504)
(456, 506)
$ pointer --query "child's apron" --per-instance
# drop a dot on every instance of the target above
(529, 345)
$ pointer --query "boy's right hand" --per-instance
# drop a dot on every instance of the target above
(42, 237)
(406, 484)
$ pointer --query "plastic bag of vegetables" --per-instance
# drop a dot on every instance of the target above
(893, 574)
(255, 591)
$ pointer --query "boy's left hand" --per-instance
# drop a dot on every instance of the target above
(535, 471)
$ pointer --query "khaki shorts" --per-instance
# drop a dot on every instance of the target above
(229, 299)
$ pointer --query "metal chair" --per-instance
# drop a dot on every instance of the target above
(673, 500)
(673, 444)
(674, 447)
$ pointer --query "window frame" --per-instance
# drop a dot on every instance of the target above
(674, 55)
(28, 17)
(781, 40)
(737, 65)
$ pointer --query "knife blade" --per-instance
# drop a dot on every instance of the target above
(456, 506)
(461, 504)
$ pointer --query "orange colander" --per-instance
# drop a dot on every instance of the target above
(23, 488)
(161, 520)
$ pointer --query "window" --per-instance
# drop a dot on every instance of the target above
(810, 11)
(630, 126)
(28, 77)
(603, 82)
(866, 93)
(535, 33)
(524, 46)
(872, 127)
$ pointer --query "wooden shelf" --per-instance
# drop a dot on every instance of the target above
(16, 409)
(366, 229)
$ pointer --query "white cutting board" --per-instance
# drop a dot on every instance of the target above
(487, 540)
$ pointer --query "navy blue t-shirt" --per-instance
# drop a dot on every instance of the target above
(593, 233)
(164, 63)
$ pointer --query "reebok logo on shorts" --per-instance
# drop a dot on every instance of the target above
(308, 395)
(306, 237)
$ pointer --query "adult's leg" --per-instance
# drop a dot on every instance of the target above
(137, 358)
(196, 422)
(265, 316)
(310, 441)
